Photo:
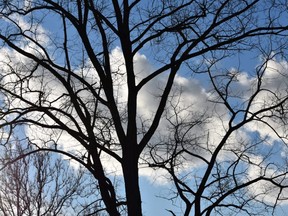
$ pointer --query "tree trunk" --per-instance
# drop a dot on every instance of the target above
(110, 201)
(106, 188)
(197, 204)
(131, 179)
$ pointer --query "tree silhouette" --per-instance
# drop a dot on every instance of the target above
(61, 81)
(40, 184)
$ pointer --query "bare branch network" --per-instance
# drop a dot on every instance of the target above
(192, 93)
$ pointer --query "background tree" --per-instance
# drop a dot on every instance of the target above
(235, 173)
(66, 83)
(40, 184)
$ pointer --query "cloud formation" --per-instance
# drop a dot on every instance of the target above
(190, 100)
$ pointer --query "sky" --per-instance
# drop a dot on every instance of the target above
(196, 97)
(192, 93)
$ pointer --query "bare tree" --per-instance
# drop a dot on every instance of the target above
(39, 184)
(235, 174)
(95, 112)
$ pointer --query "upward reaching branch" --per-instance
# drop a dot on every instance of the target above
(85, 85)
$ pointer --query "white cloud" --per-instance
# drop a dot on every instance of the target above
(265, 191)
(191, 97)
(274, 85)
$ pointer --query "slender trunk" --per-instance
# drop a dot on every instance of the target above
(133, 196)
(197, 205)
(106, 187)
(110, 201)
(188, 210)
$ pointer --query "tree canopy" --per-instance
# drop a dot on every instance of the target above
(156, 85)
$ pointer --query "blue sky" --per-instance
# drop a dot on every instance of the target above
(196, 91)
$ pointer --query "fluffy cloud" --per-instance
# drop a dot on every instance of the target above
(273, 89)
(269, 158)
(189, 99)
(266, 191)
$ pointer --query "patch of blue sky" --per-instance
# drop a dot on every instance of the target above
(244, 62)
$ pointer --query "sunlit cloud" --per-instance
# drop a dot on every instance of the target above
(265, 191)
(190, 99)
